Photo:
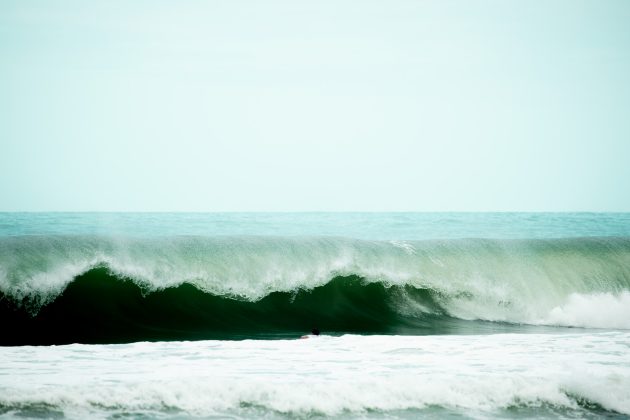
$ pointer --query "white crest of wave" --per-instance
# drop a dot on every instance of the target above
(599, 310)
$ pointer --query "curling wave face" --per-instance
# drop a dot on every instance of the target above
(92, 288)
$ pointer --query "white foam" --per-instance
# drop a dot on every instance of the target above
(328, 376)
(599, 310)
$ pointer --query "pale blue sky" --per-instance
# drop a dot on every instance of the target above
(315, 105)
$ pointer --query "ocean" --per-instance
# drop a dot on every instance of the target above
(199, 315)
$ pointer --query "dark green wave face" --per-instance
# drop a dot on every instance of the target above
(99, 307)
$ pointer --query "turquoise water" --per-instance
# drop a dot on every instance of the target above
(187, 315)
(355, 225)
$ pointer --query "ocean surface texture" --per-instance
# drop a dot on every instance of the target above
(440, 315)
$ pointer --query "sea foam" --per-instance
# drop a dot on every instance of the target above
(327, 375)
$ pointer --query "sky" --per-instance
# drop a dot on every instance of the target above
(324, 105)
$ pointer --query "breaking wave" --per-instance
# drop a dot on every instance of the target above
(61, 289)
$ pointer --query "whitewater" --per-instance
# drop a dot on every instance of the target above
(175, 315)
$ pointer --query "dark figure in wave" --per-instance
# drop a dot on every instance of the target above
(314, 332)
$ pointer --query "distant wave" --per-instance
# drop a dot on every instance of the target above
(58, 289)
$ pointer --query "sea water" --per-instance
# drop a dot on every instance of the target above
(178, 315)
